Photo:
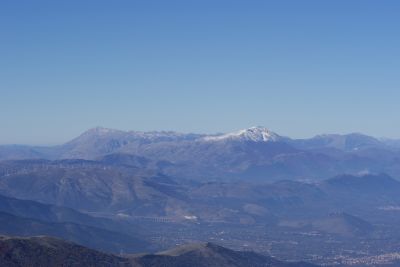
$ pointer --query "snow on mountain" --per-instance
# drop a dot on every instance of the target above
(255, 134)
(152, 136)
(100, 131)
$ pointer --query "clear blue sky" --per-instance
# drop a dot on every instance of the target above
(297, 67)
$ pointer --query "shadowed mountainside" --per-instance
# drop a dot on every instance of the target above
(89, 236)
(129, 193)
(46, 251)
(211, 255)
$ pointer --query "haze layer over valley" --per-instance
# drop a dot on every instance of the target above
(330, 200)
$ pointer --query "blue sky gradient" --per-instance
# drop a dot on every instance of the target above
(299, 68)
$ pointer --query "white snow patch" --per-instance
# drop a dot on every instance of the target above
(256, 134)
(190, 217)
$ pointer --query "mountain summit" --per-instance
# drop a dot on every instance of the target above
(255, 134)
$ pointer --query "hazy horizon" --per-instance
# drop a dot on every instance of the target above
(298, 68)
(192, 132)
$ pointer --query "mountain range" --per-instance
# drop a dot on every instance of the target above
(129, 193)
(113, 191)
(256, 154)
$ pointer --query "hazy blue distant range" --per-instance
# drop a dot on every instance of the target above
(330, 200)
(253, 154)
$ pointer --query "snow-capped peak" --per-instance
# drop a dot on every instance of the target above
(255, 134)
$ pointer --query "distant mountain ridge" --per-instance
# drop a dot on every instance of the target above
(112, 140)
(131, 193)
(255, 153)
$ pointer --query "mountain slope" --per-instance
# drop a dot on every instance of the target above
(86, 185)
(58, 214)
(46, 251)
(347, 142)
(343, 224)
(99, 141)
(45, 212)
(85, 235)
(211, 255)
(130, 194)
(371, 190)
